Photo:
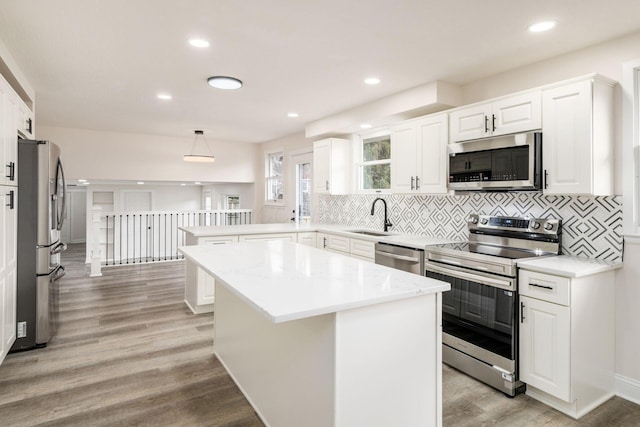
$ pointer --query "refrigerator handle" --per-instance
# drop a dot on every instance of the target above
(60, 247)
(60, 176)
(58, 273)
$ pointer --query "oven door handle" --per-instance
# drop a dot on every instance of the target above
(502, 284)
(400, 257)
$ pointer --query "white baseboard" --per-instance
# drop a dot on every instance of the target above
(627, 388)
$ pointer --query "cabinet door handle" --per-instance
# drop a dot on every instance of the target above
(486, 124)
(417, 183)
(521, 312)
(326, 185)
(546, 176)
(493, 122)
(324, 242)
(412, 183)
(541, 286)
(11, 203)
(12, 171)
(29, 125)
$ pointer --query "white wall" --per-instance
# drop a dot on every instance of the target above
(101, 155)
(219, 191)
(291, 144)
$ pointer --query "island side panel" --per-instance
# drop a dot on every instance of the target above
(285, 370)
(388, 364)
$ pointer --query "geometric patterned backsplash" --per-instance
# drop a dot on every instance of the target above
(591, 226)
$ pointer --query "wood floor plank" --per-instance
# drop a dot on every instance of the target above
(130, 353)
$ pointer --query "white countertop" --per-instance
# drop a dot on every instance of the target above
(286, 281)
(569, 266)
(410, 240)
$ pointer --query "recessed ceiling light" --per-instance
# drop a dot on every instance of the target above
(82, 180)
(164, 96)
(365, 126)
(198, 43)
(140, 182)
(224, 82)
(292, 115)
(372, 80)
(539, 27)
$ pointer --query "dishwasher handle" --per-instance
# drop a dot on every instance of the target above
(399, 257)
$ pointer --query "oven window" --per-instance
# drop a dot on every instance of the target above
(479, 314)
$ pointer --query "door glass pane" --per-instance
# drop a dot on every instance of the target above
(304, 190)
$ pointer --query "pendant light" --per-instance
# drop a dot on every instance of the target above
(203, 158)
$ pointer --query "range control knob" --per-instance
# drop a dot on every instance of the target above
(484, 221)
(473, 219)
(548, 226)
(535, 225)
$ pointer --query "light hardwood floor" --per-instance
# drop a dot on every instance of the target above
(129, 352)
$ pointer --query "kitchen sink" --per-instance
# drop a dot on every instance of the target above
(368, 233)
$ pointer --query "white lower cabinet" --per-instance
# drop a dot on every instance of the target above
(567, 330)
(8, 268)
(199, 291)
(307, 239)
(355, 248)
(544, 340)
(199, 294)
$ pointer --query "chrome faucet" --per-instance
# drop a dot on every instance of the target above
(387, 224)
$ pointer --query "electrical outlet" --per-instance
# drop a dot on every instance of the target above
(22, 329)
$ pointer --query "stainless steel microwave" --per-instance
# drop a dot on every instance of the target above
(510, 162)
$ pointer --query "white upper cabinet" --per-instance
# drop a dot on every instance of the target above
(8, 135)
(578, 138)
(24, 120)
(518, 113)
(331, 163)
(419, 155)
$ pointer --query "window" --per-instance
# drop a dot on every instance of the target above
(375, 166)
(274, 177)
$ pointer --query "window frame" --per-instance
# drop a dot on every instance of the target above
(267, 170)
(360, 163)
(631, 148)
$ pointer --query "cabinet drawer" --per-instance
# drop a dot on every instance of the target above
(308, 238)
(290, 237)
(363, 248)
(221, 240)
(545, 287)
(338, 243)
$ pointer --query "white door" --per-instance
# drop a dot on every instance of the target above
(545, 343)
(566, 135)
(432, 137)
(300, 205)
(516, 114)
(403, 153)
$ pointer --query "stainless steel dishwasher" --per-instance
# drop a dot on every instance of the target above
(400, 257)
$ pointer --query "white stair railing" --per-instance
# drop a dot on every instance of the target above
(143, 237)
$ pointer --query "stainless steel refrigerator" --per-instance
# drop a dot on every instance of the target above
(41, 211)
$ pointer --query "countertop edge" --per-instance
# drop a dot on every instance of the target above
(569, 266)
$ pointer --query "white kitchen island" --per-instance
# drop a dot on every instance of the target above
(314, 338)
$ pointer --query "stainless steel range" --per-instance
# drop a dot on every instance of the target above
(480, 330)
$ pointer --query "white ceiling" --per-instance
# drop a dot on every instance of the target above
(98, 64)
